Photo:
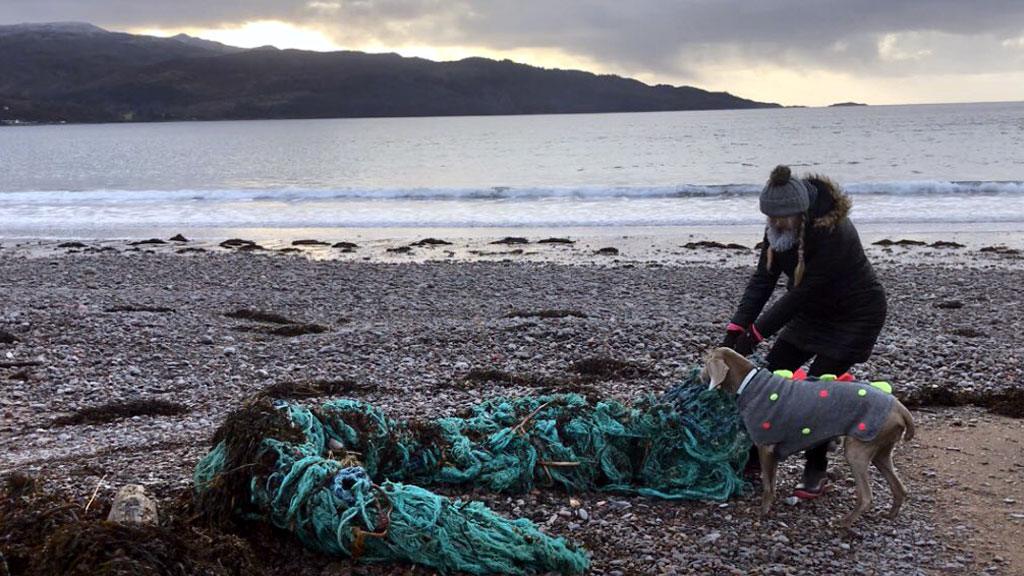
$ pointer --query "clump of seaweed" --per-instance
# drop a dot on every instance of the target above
(259, 316)
(243, 432)
(1008, 402)
(122, 409)
(293, 390)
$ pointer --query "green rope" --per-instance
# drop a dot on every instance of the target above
(690, 444)
(687, 445)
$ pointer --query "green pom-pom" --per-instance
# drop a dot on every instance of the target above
(862, 392)
(784, 373)
(883, 386)
(805, 431)
(827, 377)
(774, 396)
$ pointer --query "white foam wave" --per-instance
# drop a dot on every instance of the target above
(936, 188)
(293, 195)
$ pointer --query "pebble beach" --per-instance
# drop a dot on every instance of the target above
(403, 325)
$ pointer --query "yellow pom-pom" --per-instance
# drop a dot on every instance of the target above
(827, 377)
(784, 373)
(883, 386)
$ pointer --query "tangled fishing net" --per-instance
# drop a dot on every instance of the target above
(346, 479)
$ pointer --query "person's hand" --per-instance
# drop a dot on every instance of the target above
(731, 335)
(747, 341)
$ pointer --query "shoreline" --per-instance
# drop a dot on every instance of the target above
(961, 244)
(18, 123)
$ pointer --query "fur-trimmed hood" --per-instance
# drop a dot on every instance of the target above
(831, 204)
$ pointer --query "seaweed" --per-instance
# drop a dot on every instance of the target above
(1007, 402)
(298, 329)
(27, 516)
(118, 410)
(44, 533)
(243, 432)
(431, 242)
(509, 240)
(259, 316)
(292, 390)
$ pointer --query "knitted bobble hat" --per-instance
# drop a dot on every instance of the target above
(784, 195)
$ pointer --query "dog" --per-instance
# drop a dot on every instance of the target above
(871, 421)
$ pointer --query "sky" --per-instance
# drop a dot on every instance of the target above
(794, 52)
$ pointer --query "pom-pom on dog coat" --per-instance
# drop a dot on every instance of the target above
(795, 415)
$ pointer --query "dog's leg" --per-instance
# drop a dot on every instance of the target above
(768, 467)
(859, 455)
(883, 461)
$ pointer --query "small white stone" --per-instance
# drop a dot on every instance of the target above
(711, 538)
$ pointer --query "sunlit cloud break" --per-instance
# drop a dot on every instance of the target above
(255, 34)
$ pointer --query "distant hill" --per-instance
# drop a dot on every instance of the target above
(77, 72)
(845, 104)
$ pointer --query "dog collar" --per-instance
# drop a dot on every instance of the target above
(746, 380)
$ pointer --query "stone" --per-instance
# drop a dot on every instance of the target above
(131, 505)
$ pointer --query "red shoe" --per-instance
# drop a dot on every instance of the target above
(807, 492)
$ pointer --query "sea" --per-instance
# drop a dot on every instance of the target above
(913, 164)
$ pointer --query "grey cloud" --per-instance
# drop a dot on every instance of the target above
(671, 37)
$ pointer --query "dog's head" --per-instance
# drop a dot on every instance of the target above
(725, 368)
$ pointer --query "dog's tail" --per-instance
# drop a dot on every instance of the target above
(908, 422)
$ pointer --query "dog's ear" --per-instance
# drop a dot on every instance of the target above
(717, 370)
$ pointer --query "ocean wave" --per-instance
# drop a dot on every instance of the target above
(583, 193)
(34, 226)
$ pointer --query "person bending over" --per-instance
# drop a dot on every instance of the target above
(834, 306)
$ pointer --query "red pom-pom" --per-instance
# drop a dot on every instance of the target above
(862, 426)
(823, 393)
(846, 377)
(766, 425)
(800, 374)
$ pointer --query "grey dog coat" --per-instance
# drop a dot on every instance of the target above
(795, 415)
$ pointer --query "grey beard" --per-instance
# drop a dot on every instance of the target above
(780, 241)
